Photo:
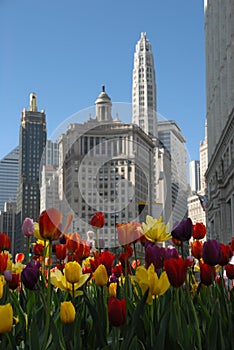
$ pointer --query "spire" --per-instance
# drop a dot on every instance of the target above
(33, 102)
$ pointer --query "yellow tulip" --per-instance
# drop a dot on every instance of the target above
(72, 271)
(37, 231)
(100, 275)
(112, 289)
(148, 279)
(155, 230)
(2, 284)
(67, 312)
(6, 318)
(9, 264)
(58, 279)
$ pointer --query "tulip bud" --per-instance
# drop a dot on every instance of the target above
(116, 311)
(28, 227)
(6, 318)
(112, 289)
(5, 242)
(2, 284)
(100, 275)
(3, 262)
(19, 257)
(50, 222)
(97, 220)
(67, 312)
(30, 275)
(72, 271)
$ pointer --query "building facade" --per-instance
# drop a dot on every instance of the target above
(32, 142)
(144, 105)
(194, 176)
(172, 139)
(9, 177)
(105, 165)
(197, 200)
(8, 222)
(219, 30)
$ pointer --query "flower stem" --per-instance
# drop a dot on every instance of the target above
(48, 302)
(28, 248)
(97, 240)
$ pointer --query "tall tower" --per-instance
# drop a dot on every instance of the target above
(144, 88)
(32, 142)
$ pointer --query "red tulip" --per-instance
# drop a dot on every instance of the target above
(38, 249)
(230, 271)
(176, 269)
(97, 220)
(60, 251)
(107, 259)
(226, 254)
(19, 257)
(117, 270)
(116, 311)
(207, 274)
(83, 250)
(50, 222)
(14, 282)
(199, 230)
(3, 262)
(5, 242)
(72, 241)
(196, 249)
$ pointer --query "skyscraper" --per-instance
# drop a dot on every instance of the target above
(144, 88)
(194, 175)
(219, 30)
(32, 142)
(171, 137)
(9, 175)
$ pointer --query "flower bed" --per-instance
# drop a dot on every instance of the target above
(71, 295)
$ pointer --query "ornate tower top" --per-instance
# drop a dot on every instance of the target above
(103, 106)
(33, 102)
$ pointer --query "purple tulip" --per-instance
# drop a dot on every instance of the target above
(28, 227)
(154, 255)
(171, 253)
(211, 252)
(30, 275)
(8, 275)
(183, 231)
(113, 278)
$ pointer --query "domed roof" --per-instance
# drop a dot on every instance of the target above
(103, 97)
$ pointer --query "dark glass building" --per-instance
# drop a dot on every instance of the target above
(32, 141)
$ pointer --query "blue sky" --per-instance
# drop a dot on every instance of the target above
(65, 50)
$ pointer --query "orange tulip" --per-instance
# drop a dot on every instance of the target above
(196, 249)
